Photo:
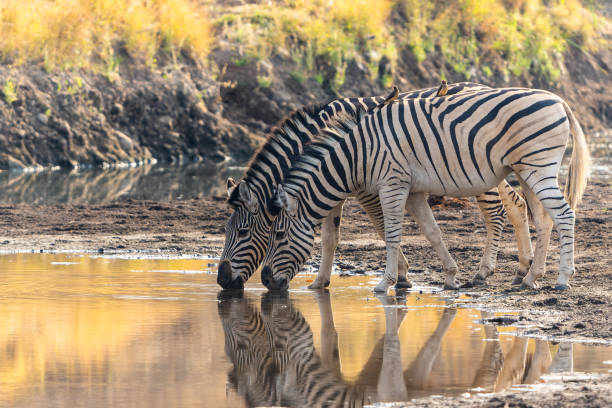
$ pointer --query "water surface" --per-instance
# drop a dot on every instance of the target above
(98, 186)
(83, 330)
(162, 182)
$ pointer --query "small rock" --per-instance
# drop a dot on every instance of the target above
(166, 121)
(116, 109)
(124, 141)
(42, 118)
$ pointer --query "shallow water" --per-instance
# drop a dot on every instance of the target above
(96, 186)
(84, 330)
(170, 182)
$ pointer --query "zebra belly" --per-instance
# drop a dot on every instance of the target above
(422, 182)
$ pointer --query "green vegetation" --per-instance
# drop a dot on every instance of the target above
(264, 82)
(511, 37)
(9, 91)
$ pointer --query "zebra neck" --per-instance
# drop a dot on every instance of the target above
(274, 158)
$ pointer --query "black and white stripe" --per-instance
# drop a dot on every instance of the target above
(456, 145)
(248, 228)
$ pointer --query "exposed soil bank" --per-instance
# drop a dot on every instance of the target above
(76, 119)
(188, 112)
(196, 227)
(571, 391)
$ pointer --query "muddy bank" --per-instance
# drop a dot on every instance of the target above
(196, 227)
(569, 391)
(83, 119)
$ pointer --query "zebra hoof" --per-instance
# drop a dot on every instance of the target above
(528, 286)
(561, 287)
(454, 285)
(518, 280)
(318, 285)
(403, 283)
(479, 281)
(381, 288)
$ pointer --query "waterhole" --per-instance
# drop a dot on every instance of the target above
(85, 330)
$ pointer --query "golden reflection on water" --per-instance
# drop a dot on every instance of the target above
(89, 331)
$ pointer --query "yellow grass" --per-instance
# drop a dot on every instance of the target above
(514, 37)
(69, 33)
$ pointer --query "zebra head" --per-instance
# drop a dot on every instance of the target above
(246, 235)
(290, 242)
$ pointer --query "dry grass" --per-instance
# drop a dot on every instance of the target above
(514, 37)
(79, 33)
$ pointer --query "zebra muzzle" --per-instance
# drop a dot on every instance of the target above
(224, 276)
(272, 284)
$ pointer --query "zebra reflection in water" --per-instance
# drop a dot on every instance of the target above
(275, 362)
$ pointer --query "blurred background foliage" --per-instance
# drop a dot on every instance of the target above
(509, 37)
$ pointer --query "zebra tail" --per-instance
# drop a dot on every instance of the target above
(580, 161)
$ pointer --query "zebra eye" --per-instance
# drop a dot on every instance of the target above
(242, 232)
(280, 235)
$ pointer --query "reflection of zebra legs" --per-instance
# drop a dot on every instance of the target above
(539, 364)
(416, 375)
(492, 358)
(391, 386)
(330, 354)
(564, 359)
(514, 365)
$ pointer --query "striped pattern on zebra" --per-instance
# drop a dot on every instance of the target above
(457, 146)
(248, 227)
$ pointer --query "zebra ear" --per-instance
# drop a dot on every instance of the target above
(231, 186)
(360, 113)
(247, 197)
(284, 201)
(276, 203)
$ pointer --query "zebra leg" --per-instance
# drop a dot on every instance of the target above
(421, 211)
(543, 226)
(330, 235)
(543, 187)
(371, 205)
(495, 217)
(516, 209)
(393, 198)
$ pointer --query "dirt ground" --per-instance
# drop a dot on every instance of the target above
(196, 227)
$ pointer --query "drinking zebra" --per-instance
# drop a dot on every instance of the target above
(248, 227)
(460, 145)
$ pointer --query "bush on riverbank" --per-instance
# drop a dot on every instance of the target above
(514, 37)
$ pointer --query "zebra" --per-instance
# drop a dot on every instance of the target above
(248, 227)
(459, 145)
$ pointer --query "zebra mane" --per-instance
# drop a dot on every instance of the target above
(274, 143)
(326, 140)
